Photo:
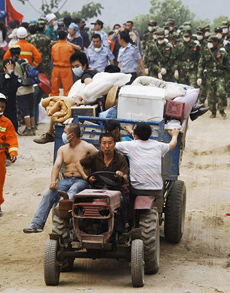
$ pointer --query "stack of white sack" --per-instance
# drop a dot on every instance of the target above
(101, 84)
(173, 91)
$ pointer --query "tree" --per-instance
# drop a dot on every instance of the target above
(88, 10)
(218, 21)
(141, 22)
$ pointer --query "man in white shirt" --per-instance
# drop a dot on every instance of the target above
(145, 161)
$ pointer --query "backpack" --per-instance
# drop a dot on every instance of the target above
(29, 73)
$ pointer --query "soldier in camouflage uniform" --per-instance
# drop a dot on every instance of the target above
(203, 43)
(43, 44)
(160, 58)
(32, 29)
(215, 60)
(148, 35)
(186, 59)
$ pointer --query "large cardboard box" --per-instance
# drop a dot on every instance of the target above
(141, 103)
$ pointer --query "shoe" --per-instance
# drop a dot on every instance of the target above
(194, 115)
(196, 107)
(213, 115)
(44, 138)
(33, 129)
(27, 132)
(32, 228)
(222, 113)
(0, 211)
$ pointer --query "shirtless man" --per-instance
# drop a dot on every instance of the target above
(72, 152)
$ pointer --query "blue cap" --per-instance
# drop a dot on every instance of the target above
(33, 20)
(74, 26)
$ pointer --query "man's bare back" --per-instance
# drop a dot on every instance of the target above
(70, 155)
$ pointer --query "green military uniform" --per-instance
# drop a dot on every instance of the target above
(186, 59)
(43, 44)
(215, 61)
(32, 28)
(148, 35)
(226, 39)
(160, 56)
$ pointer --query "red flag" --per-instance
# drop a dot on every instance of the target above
(12, 13)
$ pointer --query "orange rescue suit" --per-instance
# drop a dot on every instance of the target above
(62, 73)
(28, 51)
(7, 135)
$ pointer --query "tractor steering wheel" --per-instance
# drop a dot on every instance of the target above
(104, 180)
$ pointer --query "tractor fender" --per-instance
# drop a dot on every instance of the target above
(143, 202)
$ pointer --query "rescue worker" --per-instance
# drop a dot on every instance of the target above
(215, 60)
(148, 35)
(160, 58)
(28, 51)
(8, 142)
(62, 73)
(98, 25)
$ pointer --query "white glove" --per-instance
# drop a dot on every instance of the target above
(163, 71)
(199, 81)
(159, 75)
(176, 74)
(147, 71)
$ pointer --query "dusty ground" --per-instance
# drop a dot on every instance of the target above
(200, 263)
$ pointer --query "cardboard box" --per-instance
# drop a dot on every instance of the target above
(83, 110)
(141, 103)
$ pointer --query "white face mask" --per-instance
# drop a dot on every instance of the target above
(97, 50)
(150, 28)
(116, 30)
(160, 42)
(219, 36)
(155, 37)
(210, 45)
(65, 138)
(78, 71)
(171, 28)
(207, 34)
(186, 39)
(1, 113)
(166, 32)
(199, 37)
(225, 30)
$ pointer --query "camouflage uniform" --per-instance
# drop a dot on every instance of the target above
(43, 44)
(160, 56)
(215, 61)
(186, 60)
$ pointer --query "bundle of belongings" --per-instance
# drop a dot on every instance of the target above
(147, 99)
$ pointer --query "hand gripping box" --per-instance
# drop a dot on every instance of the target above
(141, 103)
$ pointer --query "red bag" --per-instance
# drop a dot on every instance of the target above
(44, 84)
(174, 110)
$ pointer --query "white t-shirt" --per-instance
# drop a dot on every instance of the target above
(145, 162)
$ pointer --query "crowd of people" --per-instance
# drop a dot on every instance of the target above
(68, 54)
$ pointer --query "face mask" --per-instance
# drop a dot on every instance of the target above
(199, 38)
(150, 28)
(186, 39)
(116, 31)
(219, 36)
(78, 71)
(65, 138)
(97, 50)
(166, 32)
(171, 28)
(160, 42)
(1, 113)
(207, 34)
(55, 23)
(155, 37)
(210, 45)
(225, 30)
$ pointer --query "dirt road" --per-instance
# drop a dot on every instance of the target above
(200, 263)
